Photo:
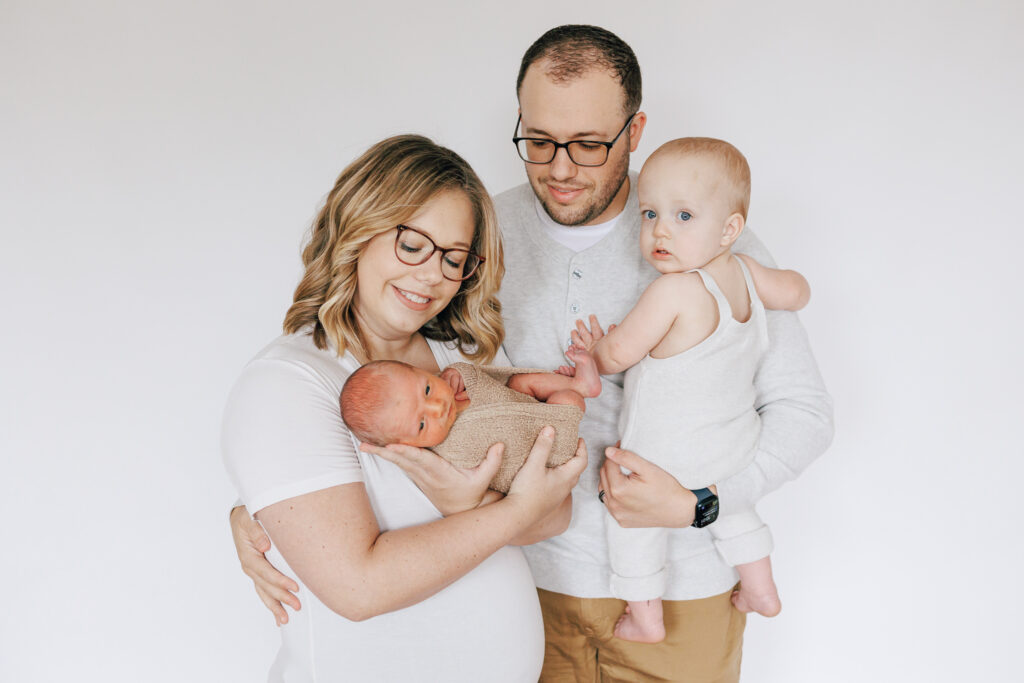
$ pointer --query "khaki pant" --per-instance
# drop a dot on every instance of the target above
(704, 642)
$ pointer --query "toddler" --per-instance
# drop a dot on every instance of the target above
(692, 345)
(466, 408)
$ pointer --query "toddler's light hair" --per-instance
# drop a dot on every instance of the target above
(366, 394)
(730, 162)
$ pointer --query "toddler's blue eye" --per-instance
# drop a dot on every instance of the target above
(648, 214)
(684, 215)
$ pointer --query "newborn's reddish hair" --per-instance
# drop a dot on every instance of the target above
(365, 396)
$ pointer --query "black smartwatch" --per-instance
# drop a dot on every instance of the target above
(707, 508)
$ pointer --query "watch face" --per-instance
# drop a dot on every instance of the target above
(707, 512)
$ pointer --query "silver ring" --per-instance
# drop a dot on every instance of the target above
(600, 495)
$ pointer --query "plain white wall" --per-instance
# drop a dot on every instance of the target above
(160, 162)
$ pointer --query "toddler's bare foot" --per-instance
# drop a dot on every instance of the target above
(765, 602)
(642, 622)
(757, 592)
(587, 381)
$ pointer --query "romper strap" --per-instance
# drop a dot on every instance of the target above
(758, 315)
(749, 279)
(724, 309)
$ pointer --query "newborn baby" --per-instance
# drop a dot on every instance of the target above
(467, 408)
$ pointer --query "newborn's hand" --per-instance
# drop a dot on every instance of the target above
(454, 379)
(451, 489)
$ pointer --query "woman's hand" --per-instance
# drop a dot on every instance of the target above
(540, 490)
(273, 587)
(547, 527)
(451, 489)
(648, 496)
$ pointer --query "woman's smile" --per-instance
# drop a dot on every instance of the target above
(416, 302)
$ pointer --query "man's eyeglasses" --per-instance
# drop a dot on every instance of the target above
(412, 248)
(581, 152)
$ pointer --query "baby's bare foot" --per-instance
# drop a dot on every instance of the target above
(644, 625)
(766, 603)
(587, 381)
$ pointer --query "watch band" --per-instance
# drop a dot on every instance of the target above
(703, 495)
(706, 509)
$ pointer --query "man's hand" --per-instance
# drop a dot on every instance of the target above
(273, 587)
(648, 496)
(451, 489)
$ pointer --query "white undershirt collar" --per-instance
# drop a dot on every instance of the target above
(574, 237)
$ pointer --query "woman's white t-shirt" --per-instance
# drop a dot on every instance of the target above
(283, 437)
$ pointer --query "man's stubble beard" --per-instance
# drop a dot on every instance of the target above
(584, 214)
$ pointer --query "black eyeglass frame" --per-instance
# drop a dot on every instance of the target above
(444, 252)
(565, 145)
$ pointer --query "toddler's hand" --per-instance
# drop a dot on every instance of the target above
(588, 338)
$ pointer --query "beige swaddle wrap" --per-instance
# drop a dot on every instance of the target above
(497, 413)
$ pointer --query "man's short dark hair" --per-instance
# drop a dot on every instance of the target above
(575, 49)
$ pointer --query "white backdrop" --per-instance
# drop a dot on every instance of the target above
(160, 162)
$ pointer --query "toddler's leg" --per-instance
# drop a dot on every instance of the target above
(638, 560)
(757, 591)
(642, 622)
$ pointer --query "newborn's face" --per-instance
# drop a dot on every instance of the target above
(423, 408)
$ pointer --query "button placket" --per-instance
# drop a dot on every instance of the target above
(574, 297)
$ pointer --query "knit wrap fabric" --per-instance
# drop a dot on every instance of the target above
(497, 413)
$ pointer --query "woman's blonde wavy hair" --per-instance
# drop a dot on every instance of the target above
(384, 187)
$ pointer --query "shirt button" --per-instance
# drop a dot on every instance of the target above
(577, 273)
(575, 308)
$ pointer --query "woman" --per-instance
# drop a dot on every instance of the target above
(409, 573)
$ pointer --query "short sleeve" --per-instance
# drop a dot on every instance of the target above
(283, 436)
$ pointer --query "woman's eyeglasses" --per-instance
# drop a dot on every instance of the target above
(412, 248)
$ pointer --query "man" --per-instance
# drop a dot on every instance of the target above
(571, 249)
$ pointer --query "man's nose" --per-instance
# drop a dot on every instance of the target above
(562, 167)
